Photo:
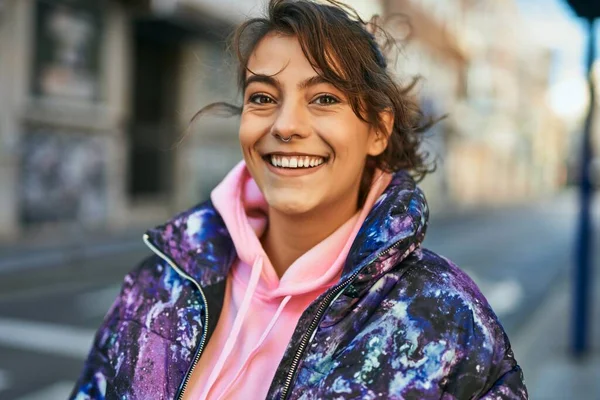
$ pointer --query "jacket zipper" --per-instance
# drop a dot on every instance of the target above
(309, 334)
(204, 328)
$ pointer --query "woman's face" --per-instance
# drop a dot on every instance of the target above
(285, 97)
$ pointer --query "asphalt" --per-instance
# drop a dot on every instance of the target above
(543, 346)
(520, 256)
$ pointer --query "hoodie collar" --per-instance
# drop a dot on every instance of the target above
(197, 240)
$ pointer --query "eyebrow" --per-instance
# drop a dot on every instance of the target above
(272, 81)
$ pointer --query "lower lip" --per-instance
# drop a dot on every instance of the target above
(293, 171)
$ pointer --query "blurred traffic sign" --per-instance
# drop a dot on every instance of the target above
(588, 9)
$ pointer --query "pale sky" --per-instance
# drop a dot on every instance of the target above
(552, 24)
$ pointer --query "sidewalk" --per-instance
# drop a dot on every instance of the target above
(542, 349)
(48, 248)
(86, 259)
(66, 249)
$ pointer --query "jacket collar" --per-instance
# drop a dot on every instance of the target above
(198, 243)
(394, 228)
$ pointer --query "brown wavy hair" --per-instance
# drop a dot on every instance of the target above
(344, 49)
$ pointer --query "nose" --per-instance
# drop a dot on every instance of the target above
(291, 120)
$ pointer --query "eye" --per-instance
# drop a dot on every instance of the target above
(326, 100)
(260, 98)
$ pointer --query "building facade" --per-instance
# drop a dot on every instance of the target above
(501, 142)
(97, 98)
(95, 109)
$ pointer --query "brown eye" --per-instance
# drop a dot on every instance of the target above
(261, 99)
(326, 100)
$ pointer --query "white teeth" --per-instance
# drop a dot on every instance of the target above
(296, 162)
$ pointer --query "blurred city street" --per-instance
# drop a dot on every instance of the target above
(46, 326)
(97, 145)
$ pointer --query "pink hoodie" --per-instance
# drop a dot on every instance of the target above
(260, 311)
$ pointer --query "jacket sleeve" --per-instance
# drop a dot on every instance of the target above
(432, 336)
(509, 386)
(98, 369)
(453, 356)
(96, 379)
(484, 368)
(464, 350)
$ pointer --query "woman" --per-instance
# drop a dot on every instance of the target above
(304, 275)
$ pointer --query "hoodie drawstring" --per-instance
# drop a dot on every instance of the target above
(237, 325)
(254, 351)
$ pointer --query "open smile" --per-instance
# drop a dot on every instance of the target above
(294, 164)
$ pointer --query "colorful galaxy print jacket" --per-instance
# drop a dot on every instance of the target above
(402, 323)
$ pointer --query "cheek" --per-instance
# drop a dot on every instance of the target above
(349, 143)
(252, 130)
(247, 131)
(245, 142)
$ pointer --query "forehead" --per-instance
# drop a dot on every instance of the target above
(279, 54)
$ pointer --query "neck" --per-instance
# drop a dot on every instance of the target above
(290, 236)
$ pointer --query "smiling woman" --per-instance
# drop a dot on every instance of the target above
(304, 275)
(285, 98)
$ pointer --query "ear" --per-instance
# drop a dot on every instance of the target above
(379, 140)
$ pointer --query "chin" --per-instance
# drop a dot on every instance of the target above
(290, 205)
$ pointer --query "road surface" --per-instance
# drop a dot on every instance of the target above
(514, 254)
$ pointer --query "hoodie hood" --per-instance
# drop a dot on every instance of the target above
(198, 242)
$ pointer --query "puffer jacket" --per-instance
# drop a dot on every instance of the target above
(401, 323)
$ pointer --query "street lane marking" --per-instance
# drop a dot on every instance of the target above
(97, 302)
(69, 254)
(44, 337)
(504, 296)
(5, 380)
(57, 391)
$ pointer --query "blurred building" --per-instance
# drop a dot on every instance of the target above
(501, 142)
(97, 97)
(431, 49)
(96, 100)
